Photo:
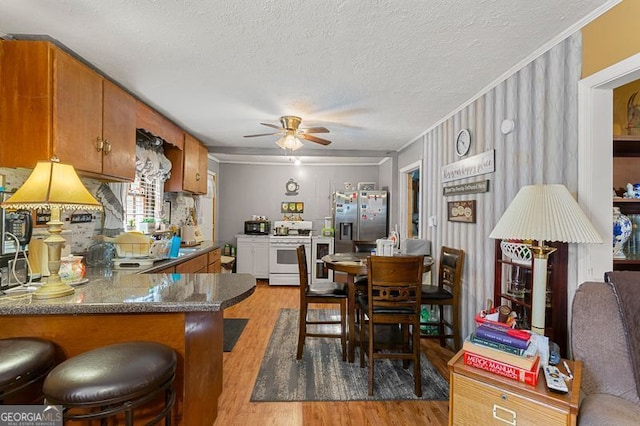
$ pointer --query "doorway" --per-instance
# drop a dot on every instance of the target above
(207, 220)
(411, 206)
(595, 177)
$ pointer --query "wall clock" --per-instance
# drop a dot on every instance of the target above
(463, 142)
(292, 187)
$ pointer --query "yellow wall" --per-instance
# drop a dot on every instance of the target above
(621, 97)
(611, 38)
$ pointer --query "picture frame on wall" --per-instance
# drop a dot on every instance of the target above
(461, 211)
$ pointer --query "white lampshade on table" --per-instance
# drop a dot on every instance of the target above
(53, 186)
(544, 213)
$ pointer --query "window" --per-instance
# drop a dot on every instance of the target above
(144, 202)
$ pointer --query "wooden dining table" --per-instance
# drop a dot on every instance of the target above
(354, 264)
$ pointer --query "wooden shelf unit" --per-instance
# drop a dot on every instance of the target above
(626, 163)
(555, 319)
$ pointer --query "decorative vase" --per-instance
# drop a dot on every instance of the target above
(621, 232)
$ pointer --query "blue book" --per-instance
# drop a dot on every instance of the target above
(494, 334)
(495, 345)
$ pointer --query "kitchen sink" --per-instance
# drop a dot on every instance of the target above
(186, 250)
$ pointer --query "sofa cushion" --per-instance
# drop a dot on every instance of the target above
(601, 409)
(598, 340)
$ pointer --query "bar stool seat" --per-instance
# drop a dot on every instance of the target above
(113, 379)
(23, 361)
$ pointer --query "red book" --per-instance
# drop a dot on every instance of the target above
(529, 377)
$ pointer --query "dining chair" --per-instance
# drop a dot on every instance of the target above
(390, 314)
(321, 293)
(446, 293)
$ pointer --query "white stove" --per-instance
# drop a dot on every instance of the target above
(283, 259)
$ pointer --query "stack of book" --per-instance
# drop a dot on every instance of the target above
(504, 351)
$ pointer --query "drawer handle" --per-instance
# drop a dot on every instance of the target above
(501, 413)
(99, 144)
(197, 176)
(107, 147)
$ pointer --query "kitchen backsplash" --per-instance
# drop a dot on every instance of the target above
(82, 233)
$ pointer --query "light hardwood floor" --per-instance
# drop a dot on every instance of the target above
(242, 364)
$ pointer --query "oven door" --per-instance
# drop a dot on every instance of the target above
(283, 258)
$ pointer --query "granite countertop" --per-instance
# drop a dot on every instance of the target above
(140, 293)
(110, 272)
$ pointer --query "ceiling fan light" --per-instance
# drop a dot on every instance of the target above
(289, 142)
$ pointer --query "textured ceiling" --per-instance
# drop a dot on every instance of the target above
(376, 73)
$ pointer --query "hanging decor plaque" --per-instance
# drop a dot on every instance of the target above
(473, 166)
(466, 188)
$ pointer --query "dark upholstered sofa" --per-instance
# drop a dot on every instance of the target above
(598, 339)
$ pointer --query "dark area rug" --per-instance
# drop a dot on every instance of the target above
(321, 375)
(232, 329)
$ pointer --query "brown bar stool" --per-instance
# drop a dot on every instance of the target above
(23, 361)
(114, 379)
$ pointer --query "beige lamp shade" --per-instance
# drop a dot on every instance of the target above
(53, 184)
(545, 213)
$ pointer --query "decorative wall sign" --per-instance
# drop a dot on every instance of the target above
(81, 217)
(41, 217)
(466, 188)
(473, 166)
(462, 211)
(292, 207)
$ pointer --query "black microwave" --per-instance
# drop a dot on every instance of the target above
(257, 227)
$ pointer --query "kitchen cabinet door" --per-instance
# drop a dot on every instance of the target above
(188, 167)
(25, 103)
(77, 104)
(261, 259)
(118, 132)
(253, 256)
(191, 171)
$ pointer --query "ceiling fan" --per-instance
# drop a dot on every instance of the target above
(291, 133)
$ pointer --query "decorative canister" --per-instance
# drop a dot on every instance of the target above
(621, 232)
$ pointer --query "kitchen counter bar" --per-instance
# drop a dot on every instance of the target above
(183, 311)
(141, 293)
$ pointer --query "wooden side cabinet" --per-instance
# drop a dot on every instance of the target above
(478, 397)
(508, 272)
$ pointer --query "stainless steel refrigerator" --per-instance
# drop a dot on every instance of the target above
(359, 216)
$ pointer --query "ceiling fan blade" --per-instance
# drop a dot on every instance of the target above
(315, 139)
(315, 130)
(272, 125)
(262, 134)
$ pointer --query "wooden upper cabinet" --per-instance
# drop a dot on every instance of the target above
(77, 106)
(25, 103)
(54, 105)
(156, 124)
(118, 132)
(188, 167)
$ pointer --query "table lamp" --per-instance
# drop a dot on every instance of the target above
(53, 186)
(544, 213)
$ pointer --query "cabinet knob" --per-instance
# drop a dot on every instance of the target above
(107, 147)
(99, 144)
(197, 176)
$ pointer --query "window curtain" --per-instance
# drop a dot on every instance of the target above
(151, 163)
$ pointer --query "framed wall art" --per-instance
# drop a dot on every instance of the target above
(461, 211)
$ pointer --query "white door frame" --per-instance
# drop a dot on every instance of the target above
(595, 176)
(403, 178)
